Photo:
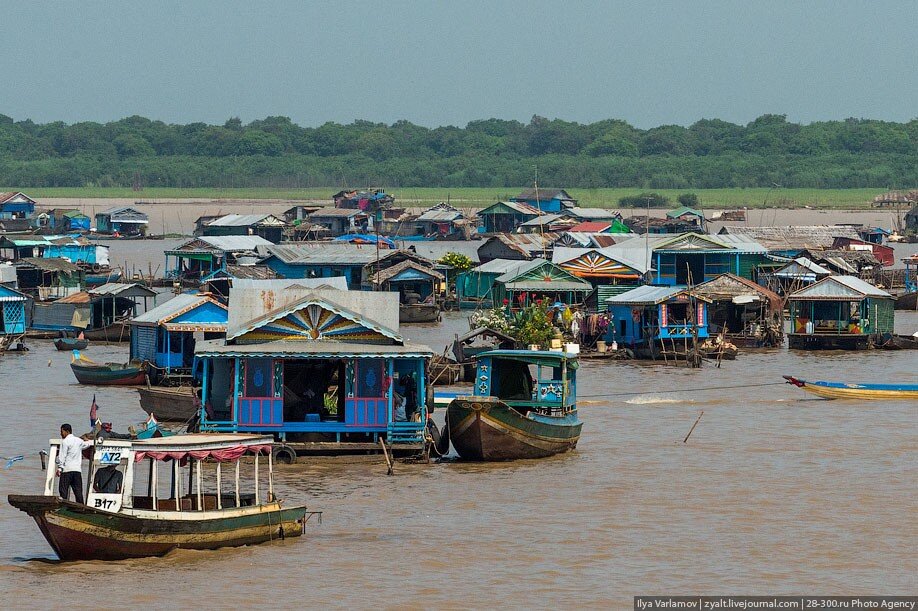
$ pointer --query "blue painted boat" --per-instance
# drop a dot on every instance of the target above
(849, 390)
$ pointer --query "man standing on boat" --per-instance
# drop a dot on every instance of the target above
(70, 464)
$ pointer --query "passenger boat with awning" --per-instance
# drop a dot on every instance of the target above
(850, 390)
(133, 512)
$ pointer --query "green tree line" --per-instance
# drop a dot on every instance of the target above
(489, 153)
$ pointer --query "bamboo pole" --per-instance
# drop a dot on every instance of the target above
(382, 442)
(693, 426)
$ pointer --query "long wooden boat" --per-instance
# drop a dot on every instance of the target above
(71, 343)
(176, 404)
(848, 390)
(511, 415)
(907, 301)
(118, 331)
(102, 277)
(87, 371)
(418, 312)
(135, 521)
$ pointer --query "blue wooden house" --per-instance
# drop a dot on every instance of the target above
(16, 205)
(648, 315)
(76, 250)
(123, 220)
(166, 335)
(12, 312)
(546, 200)
(315, 366)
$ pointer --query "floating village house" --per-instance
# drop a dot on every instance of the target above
(506, 217)
(546, 200)
(370, 200)
(122, 220)
(687, 215)
(747, 313)
(839, 313)
(794, 275)
(526, 282)
(166, 335)
(202, 257)
(693, 258)
(266, 226)
(66, 220)
(76, 250)
(16, 205)
(610, 272)
(315, 366)
(413, 281)
(648, 316)
(519, 246)
(441, 221)
(45, 279)
(91, 309)
(340, 221)
(12, 312)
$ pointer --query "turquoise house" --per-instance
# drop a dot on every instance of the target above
(649, 314)
(12, 311)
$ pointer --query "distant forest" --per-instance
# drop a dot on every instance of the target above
(275, 152)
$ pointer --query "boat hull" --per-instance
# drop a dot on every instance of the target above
(168, 404)
(418, 313)
(485, 428)
(78, 532)
(104, 376)
(841, 390)
(64, 343)
(907, 301)
(117, 332)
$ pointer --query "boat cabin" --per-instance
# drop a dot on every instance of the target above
(529, 380)
(174, 473)
(746, 313)
(839, 313)
(651, 314)
(123, 221)
(315, 365)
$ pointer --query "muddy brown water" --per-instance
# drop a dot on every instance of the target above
(776, 492)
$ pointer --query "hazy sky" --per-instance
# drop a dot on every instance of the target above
(438, 63)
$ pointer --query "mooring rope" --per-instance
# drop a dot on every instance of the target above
(679, 390)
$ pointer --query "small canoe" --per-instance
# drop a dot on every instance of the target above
(70, 343)
(169, 404)
(848, 390)
(119, 331)
(108, 374)
(418, 312)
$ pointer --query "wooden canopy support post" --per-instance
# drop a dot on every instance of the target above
(270, 477)
(154, 470)
(200, 481)
(257, 499)
(177, 483)
(219, 486)
(238, 504)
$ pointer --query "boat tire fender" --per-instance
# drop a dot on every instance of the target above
(284, 454)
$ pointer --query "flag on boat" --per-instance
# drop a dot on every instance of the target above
(93, 412)
(151, 421)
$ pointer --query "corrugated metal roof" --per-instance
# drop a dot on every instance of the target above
(636, 258)
(244, 220)
(251, 300)
(442, 213)
(551, 285)
(327, 253)
(596, 214)
(314, 349)
(517, 207)
(50, 265)
(797, 237)
(434, 250)
(335, 213)
(839, 288)
(175, 306)
(279, 284)
(233, 243)
(646, 295)
(793, 269)
(131, 289)
(501, 266)
(544, 219)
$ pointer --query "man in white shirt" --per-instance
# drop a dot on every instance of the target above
(70, 464)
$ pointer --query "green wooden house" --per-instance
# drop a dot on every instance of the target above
(539, 279)
(839, 313)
